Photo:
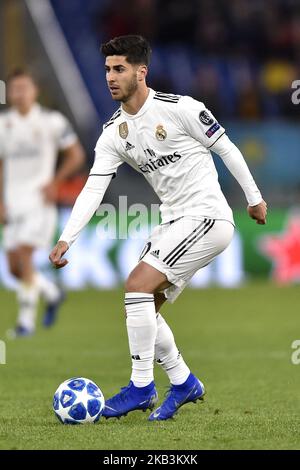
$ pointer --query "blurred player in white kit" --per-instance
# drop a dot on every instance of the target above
(30, 139)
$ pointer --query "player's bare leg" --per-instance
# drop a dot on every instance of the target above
(21, 266)
(145, 278)
(52, 295)
(26, 263)
(13, 259)
(31, 285)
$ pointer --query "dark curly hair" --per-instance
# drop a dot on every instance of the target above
(135, 48)
(21, 72)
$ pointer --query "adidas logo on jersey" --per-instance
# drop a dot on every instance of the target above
(129, 146)
(155, 253)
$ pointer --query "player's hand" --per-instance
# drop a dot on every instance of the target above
(56, 255)
(50, 192)
(2, 214)
(258, 212)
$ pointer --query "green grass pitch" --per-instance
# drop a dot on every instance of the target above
(237, 341)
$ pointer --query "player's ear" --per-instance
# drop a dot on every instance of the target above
(142, 72)
(35, 90)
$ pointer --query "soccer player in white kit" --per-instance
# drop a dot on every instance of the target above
(168, 139)
(30, 139)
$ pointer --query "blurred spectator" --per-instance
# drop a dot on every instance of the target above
(207, 88)
(240, 57)
(276, 78)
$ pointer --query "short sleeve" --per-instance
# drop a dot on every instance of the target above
(64, 132)
(199, 122)
(107, 160)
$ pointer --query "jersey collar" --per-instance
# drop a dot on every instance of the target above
(34, 111)
(143, 109)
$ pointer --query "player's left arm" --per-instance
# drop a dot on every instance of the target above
(72, 155)
(234, 161)
(73, 159)
(198, 122)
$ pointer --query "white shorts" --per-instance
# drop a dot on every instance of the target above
(35, 228)
(180, 248)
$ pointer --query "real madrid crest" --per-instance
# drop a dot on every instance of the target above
(123, 130)
(160, 133)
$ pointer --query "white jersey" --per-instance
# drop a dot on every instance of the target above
(28, 146)
(168, 141)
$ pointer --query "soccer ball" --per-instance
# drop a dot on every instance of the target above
(77, 401)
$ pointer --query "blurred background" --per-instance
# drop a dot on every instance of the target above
(239, 57)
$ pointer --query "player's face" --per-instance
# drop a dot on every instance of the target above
(122, 78)
(22, 92)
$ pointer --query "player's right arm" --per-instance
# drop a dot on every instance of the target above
(104, 169)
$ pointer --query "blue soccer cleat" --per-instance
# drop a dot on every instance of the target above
(51, 310)
(178, 395)
(129, 399)
(19, 332)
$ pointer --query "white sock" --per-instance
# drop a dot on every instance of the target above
(168, 355)
(47, 288)
(141, 328)
(27, 295)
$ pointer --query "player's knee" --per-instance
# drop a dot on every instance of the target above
(136, 283)
(15, 270)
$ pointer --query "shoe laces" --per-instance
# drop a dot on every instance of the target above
(122, 395)
(168, 392)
